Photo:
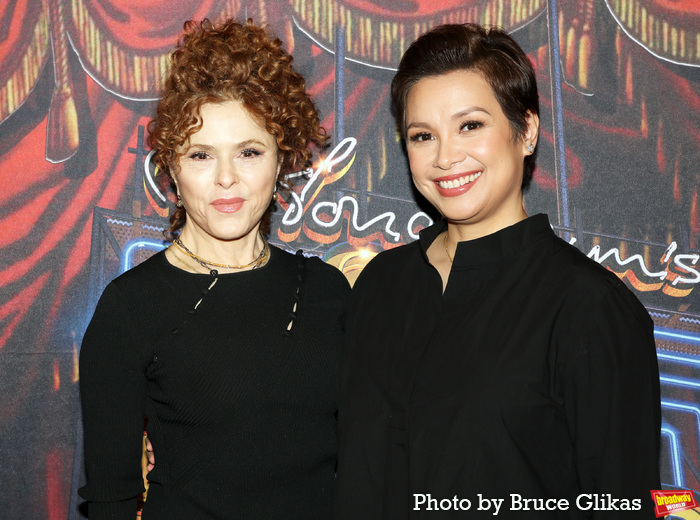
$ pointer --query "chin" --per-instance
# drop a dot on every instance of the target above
(458, 215)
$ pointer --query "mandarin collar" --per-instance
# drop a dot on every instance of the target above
(493, 248)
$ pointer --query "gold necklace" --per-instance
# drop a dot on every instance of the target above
(213, 272)
(173, 250)
(447, 234)
(262, 257)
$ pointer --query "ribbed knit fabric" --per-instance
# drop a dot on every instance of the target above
(240, 394)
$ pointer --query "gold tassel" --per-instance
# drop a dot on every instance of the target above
(62, 136)
(660, 151)
(570, 55)
(75, 375)
(629, 81)
(585, 47)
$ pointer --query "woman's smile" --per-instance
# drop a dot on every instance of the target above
(464, 155)
(454, 185)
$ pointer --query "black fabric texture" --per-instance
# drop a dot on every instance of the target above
(534, 374)
(241, 408)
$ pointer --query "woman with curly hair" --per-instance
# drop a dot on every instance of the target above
(227, 345)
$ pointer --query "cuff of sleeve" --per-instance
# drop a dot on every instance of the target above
(123, 510)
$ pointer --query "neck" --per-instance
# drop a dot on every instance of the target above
(240, 251)
(464, 231)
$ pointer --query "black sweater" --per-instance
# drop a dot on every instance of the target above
(534, 374)
(240, 394)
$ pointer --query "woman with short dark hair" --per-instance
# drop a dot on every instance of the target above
(490, 360)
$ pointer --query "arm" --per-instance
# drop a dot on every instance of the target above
(609, 381)
(113, 390)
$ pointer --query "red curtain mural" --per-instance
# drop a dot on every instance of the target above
(617, 173)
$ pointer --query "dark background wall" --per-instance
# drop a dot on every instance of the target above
(617, 174)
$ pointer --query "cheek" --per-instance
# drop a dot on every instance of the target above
(424, 187)
(417, 163)
(189, 190)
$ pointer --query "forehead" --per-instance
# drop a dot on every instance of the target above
(225, 125)
(453, 91)
(228, 117)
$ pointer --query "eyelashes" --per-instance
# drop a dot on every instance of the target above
(248, 153)
(420, 137)
(466, 126)
(470, 125)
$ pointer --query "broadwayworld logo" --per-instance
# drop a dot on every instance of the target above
(667, 502)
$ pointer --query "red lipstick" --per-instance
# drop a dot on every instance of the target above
(228, 205)
(455, 185)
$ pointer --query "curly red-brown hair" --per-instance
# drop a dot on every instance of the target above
(232, 61)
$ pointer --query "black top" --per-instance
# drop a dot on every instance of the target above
(241, 394)
(535, 374)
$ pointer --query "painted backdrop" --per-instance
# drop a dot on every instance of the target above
(617, 173)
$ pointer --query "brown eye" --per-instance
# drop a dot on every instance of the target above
(470, 125)
(420, 137)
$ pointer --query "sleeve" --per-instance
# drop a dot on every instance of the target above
(609, 381)
(113, 391)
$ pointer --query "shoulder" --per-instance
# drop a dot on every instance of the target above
(326, 274)
(397, 255)
(399, 265)
(580, 275)
(393, 263)
(144, 273)
(139, 285)
(127, 299)
(594, 298)
(317, 273)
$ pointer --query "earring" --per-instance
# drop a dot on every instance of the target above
(274, 194)
(179, 201)
(530, 148)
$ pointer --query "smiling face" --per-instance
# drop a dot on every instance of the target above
(227, 175)
(463, 155)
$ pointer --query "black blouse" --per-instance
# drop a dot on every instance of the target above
(533, 375)
(239, 382)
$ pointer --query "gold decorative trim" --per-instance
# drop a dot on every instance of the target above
(676, 39)
(22, 80)
(381, 40)
(123, 71)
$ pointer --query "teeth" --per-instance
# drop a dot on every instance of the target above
(456, 183)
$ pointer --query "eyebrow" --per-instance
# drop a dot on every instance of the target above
(458, 115)
(247, 143)
(238, 146)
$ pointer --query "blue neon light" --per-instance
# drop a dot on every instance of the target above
(126, 260)
(680, 381)
(679, 358)
(673, 435)
(664, 332)
(675, 405)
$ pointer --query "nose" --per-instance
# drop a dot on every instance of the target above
(226, 174)
(449, 153)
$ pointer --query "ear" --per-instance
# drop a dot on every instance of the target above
(280, 158)
(532, 132)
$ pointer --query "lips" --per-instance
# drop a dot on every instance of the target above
(228, 205)
(458, 184)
